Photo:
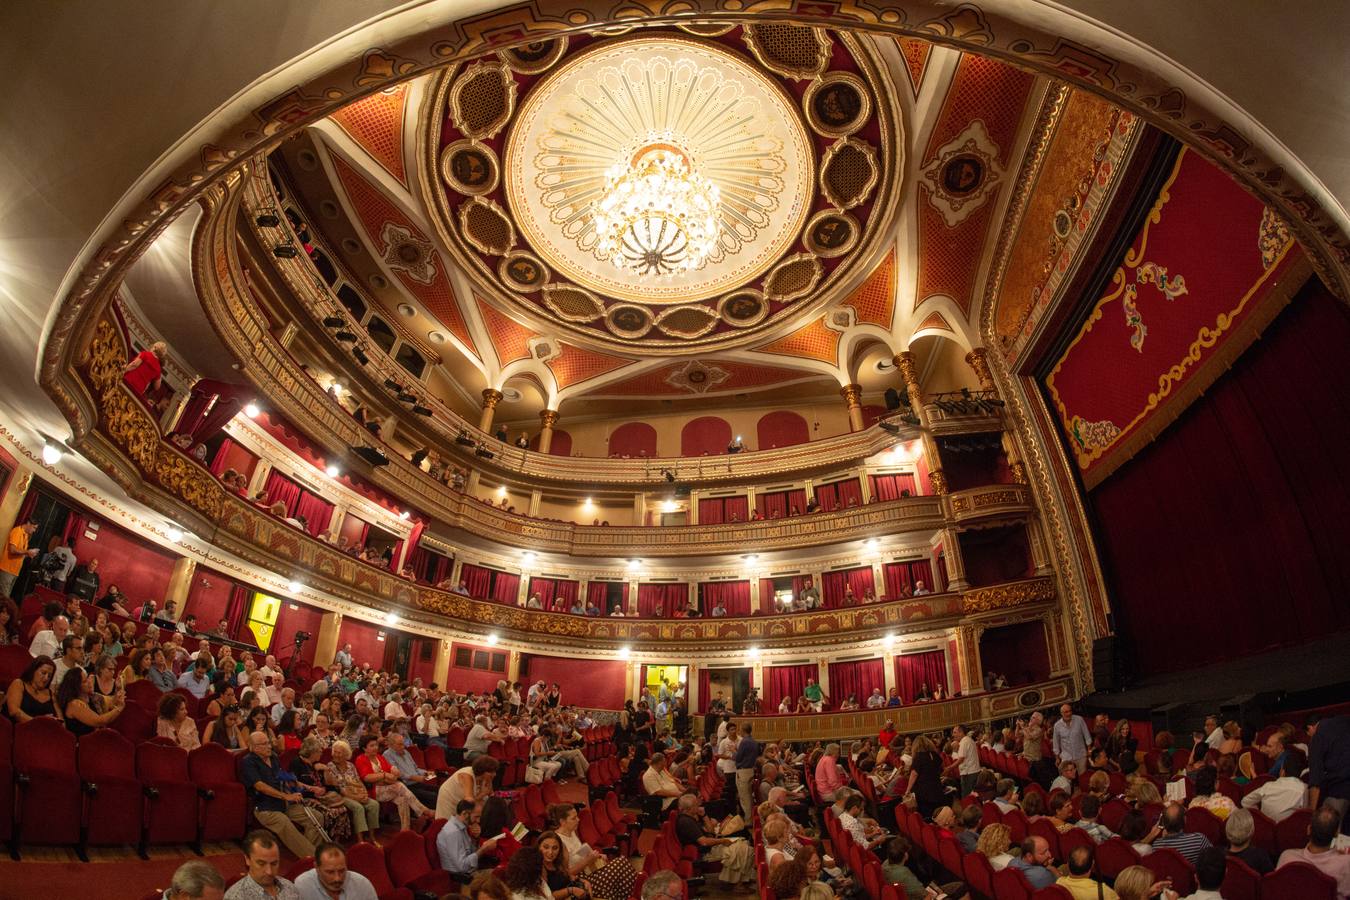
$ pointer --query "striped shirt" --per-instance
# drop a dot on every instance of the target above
(1187, 843)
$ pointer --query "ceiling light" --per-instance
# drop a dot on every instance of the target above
(588, 502)
(404, 515)
(625, 651)
(52, 453)
(173, 533)
(890, 639)
(657, 215)
(295, 587)
(251, 410)
(527, 556)
(333, 471)
(391, 618)
(492, 639)
(752, 558)
(668, 506)
(501, 491)
(870, 543)
(752, 651)
(633, 564)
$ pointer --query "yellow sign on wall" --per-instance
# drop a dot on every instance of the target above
(262, 619)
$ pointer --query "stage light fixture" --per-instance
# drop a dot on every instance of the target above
(173, 533)
(346, 337)
(890, 427)
(392, 384)
(405, 397)
(251, 410)
(360, 355)
(371, 455)
(267, 220)
(285, 251)
(295, 587)
(421, 410)
(492, 639)
(333, 321)
(404, 515)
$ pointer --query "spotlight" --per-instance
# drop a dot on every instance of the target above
(463, 438)
(267, 220)
(527, 557)
(346, 337)
(251, 410)
(668, 475)
(391, 618)
(333, 471)
(295, 587)
(501, 490)
(625, 651)
(890, 427)
(889, 639)
(404, 515)
(405, 397)
(52, 453)
(752, 651)
(173, 533)
(393, 385)
(285, 251)
(910, 419)
(482, 450)
(492, 639)
(633, 564)
(371, 455)
(360, 355)
(333, 321)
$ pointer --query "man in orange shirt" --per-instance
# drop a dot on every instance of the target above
(13, 554)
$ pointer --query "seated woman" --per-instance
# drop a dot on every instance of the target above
(1207, 795)
(288, 731)
(850, 704)
(558, 872)
(259, 720)
(342, 777)
(785, 706)
(225, 730)
(525, 875)
(994, 842)
(173, 722)
(803, 705)
(82, 709)
(1061, 812)
(608, 879)
(32, 694)
(328, 805)
(382, 780)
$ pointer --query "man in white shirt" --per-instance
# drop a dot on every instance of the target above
(726, 753)
(658, 782)
(967, 759)
(71, 657)
(1279, 798)
(47, 642)
(1213, 733)
(1210, 868)
(479, 736)
(919, 589)
(272, 678)
(876, 701)
(330, 879)
(1071, 738)
(287, 702)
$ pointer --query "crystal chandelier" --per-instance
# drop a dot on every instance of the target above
(657, 215)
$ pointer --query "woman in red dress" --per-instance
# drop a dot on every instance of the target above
(144, 370)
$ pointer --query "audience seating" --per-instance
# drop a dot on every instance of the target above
(171, 798)
(368, 859)
(1168, 863)
(409, 867)
(6, 778)
(1297, 881)
(113, 798)
(224, 806)
(1240, 881)
(1291, 832)
(45, 768)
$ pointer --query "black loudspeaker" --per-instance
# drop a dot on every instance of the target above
(682, 491)
(892, 399)
(1108, 666)
(371, 455)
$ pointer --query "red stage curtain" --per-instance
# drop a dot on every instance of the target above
(735, 595)
(832, 585)
(772, 506)
(317, 512)
(418, 560)
(477, 580)
(280, 488)
(233, 456)
(704, 688)
(506, 588)
(889, 487)
(900, 575)
(666, 597)
(785, 681)
(940, 582)
(711, 511)
(766, 596)
(597, 592)
(827, 495)
(837, 494)
(857, 677)
(737, 509)
(1257, 466)
(915, 669)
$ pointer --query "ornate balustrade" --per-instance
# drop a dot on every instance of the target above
(919, 717)
(993, 502)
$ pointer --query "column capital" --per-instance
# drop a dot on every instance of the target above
(938, 479)
(904, 361)
(979, 363)
(852, 394)
(548, 418)
(491, 397)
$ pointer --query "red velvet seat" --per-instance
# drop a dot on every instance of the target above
(49, 800)
(1240, 881)
(1168, 863)
(589, 834)
(429, 836)
(171, 807)
(436, 761)
(1291, 832)
(1010, 884)
(1052, 892)
(616, 813)
(135, 723)
(949, 854)
(1297, 881)
(990, 814)
(1264, 834)
(224, 806)
(299, 867)
(14, 658)
(368, 859)
(144, 694)
(1205, 822)
(979, 874)
(406, 858)
(6, 778)
(1017, 823)
(1074, 837)
(1044, 828)
(1114, 855)
(112, 793)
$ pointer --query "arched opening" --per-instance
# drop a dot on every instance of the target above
(781, 428)
(705, 436)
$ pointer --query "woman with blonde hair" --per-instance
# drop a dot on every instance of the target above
(1142, 792)
(775, 833)
(1136, 883)
(341, 776)
(993, 843)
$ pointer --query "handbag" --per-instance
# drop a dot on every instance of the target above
(534, 774)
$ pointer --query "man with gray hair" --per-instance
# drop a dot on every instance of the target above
(196, 880)
(695, 829)
(1238, 828)
(662, 885)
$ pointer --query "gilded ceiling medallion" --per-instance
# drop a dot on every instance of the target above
(963, 174)
(482, 99)
(628, 320)
(837, 104)
(534, 57)
(470, 167)
(699, 106)
(522, 271)
(743, 308)
(831, 232)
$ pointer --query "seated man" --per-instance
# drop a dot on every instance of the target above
(455, 846)
(421, 782)
(658, 782)
(1089, 807)
(1210, 870)
(815, 697)
(695, 829)
(1239, 828)
(196, 880)
(1322, 831)
(876, 700)
(968, 827)
(1006, 795)
(1034, 863)
(277, 810)
(869, 836)
(1174, 834)
(262, 858)
(1286, 793)
(331, 878)
(1079, 881)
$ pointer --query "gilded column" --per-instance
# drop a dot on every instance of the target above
(864, 485)
(13, 500)
(1040, 553)
(823, 679)
(547, 419)
(852, 394)
(513, 666)
(536, 496)
(259, 478)
(456, 569)
(979, 364)
(888, 664)
(937, 479)
(523, 588)
(691, 689)
(491, 397)
(440, 672)
(326, 641)
(956, 564)
(968, 658)
(180, 583)
(1016, 469)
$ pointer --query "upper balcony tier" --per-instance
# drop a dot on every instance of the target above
(236, 314)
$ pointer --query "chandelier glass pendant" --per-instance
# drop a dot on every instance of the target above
(657, 215)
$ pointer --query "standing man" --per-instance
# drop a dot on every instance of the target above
(263, 860)
(726, 755)
(747, 754)
(967, 759)
(330, 879)
(1071, 738)
(810, 598)
(814, 695)
(1329, 763)
(14, 553)
(344, 657)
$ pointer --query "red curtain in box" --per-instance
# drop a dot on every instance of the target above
(704, 688)
(737, 509)
(735, 596)
(440, 567)
(597, 592)
(230, 455)
(891, 487)
(418, 561)
(554, 591)
(779, 504)
(719, 510)
(827, 495)
(766, 596)
(477, 580)
(857, 678)
(506, 588)
(901, 577)
(281, 489)
(839, 494)
(785, 681)
(832, 585)
(940, 581)
(316, 511)
(392, 565)
(665, 597)
(912, 670)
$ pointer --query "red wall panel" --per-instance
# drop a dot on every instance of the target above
(633, 439)
(782, 428)
(289, 621)
(466, 680)
(705, 435)
(424, 670)
(598, 683)
(364, 638)
(141, 570)
(208, 597)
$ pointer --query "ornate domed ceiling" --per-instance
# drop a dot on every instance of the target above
(793, 129)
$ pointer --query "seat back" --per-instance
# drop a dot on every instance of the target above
(990, 814)
(1291, 832)
(1010, 884)
(158, 762)
(1168, 863)
(144, 694)
(406, 858)
(1074, 837)
(368, 859)
(1205, 822)
(429, 841)
(105, 753)
(1113, 811)
(211, 764)
(14, 659)
(1052, 892)
(1240, 881)
(1264, 834)
(1017, 823)
(980, 874)
(43, 743)
(135, 723)
(1044, 828)
(1297, 881)
(1115, 855)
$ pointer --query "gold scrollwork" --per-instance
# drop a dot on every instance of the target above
(1004, 596)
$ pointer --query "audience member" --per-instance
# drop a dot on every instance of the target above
(1175, 836)
(1319, 852)
(1278, 798)
(330, 878)
(1238, 828)
(262, 859)
(1034, 863)
(1079, 882)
